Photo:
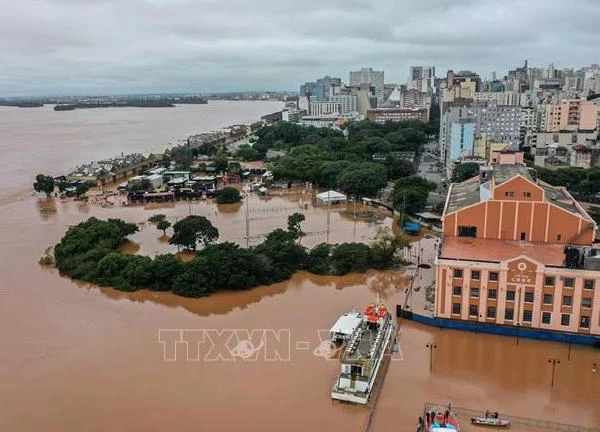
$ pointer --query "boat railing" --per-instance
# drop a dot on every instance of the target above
(516, 420)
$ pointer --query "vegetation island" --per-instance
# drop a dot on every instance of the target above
(90, 252)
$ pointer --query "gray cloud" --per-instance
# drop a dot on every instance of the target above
(111, 46)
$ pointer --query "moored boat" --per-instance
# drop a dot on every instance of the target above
(441, 419)
(365, 353)
(490, 421)
(345, 326)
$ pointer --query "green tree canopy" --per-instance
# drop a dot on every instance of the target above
(220, 161)
(44, 183)
(465, 171)
(228, 195)
(193, 230)
(363, 179)
(163, 225)
(293, 223)
(386, 246)
(347, 257)
(412, 192)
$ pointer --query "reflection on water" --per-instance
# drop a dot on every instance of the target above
(229, 208)
(46, 207)
(221, 303)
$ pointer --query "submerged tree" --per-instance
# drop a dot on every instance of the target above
(293, 224)
(163, 225)
(44, 183)
(228, 195)
(194, 230)
(386, 246)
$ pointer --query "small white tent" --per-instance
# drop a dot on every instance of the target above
(331, 197)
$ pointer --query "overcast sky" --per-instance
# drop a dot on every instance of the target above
(116, 46)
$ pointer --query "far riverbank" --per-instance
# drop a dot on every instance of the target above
(42, 140)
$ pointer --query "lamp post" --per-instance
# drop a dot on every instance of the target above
(518, 331)
(431, 347)
(554, 362)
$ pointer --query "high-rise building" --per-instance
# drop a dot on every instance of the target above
(307, 89)
(347, 102)
(571, 114)
(323, 86)
(421, 78)
(462, 136)
(371, 77)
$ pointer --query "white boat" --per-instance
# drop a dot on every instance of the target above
(345, 326)
(364, 354)
(490, 421)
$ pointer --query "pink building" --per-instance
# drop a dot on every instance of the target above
(571, 114)
(506, 157)
(518, 252)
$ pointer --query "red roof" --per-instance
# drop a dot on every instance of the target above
(479, 249)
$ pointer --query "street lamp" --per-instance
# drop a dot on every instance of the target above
(431, 347)
(554, 362)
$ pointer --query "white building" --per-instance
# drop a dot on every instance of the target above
(320, 108)
(347, 103)
(509, 98)
(370, 77)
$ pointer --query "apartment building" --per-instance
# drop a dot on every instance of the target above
(571, 114)
(517, 252)
(370, 77)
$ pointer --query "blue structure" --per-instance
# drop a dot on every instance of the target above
(462, 137)
(411, 228)
(523, 332)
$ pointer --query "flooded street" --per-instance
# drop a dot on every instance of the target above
(79, 357)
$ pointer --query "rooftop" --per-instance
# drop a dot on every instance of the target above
(503, 172)
(471, 191)
(479, 249)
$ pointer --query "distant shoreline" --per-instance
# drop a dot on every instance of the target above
(71, 107)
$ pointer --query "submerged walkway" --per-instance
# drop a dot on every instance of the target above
(515, 420)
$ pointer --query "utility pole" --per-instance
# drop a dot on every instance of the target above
(247, 223)
(354, 218)
(403, 210)
(431, 347)
(554, 362)
(328, 214)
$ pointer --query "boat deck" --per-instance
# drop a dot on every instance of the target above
(361, 346)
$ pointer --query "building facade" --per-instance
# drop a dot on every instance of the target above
(572, 114)
(382, 115)
(517, 252)
(462, 137)
(371, 77)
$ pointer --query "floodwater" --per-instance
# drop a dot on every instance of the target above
(40, 140)
(79, 357)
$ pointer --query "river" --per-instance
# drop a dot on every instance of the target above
(35, 140)
(78, 357)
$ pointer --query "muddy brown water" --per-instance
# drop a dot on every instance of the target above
(78, 357)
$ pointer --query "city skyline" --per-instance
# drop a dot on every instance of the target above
(69, 47)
